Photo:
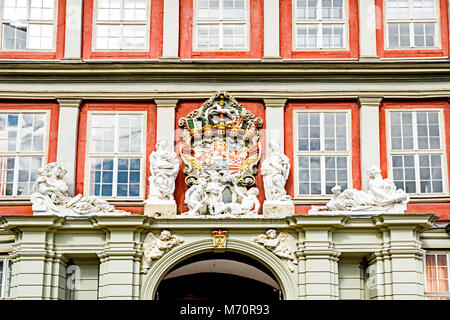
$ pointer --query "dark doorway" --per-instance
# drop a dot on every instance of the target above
(215, 287)
(219, 276)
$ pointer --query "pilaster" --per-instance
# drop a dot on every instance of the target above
(171, 30)
(271, 31)
(367, 31)
(165, 125)
(275, 121)
(72, 47)
(120, 266)
(67, 137)
(321, 267)
(369, 135)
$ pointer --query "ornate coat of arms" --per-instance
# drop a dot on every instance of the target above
(220, 146)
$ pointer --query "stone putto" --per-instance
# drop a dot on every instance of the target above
(381, 196)
(50, 196)
(154, 248)
(278, 245)
(164, 167)
(275, 171)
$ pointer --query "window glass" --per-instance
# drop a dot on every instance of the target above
(116, 155)
(28, 24)
(323, 152)
(221, 24)
(121, 25)
(411, 23)
(416, 151)
(320, 24)
(437, 276)
(23, 138)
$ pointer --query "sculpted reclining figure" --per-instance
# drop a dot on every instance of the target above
(382, 195)
(50, 196)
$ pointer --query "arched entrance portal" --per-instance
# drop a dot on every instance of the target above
(217, 276)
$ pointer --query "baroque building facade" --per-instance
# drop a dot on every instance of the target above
(337, 86)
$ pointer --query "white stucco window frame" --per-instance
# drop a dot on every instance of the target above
(344, 22)
(411, 22)
(416, 151)
(18, 154)
(115, 155)
(53, 22)
(220, 22)
(322, 153)
(436, 294)
(121, 23)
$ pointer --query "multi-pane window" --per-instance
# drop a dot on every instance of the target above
(28, 24)
(417, 151)
(5, 277)
(121, 25)
(412, 23)
(323, 152)
(23, 141)
(320, 24)
(437, 276)
(221, 24)
(116, 159)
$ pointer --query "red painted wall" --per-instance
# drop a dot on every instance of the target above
(150, 108)
(52, 143)
(291, 106)
(183, 109)
(256, 34)
(441, 209)
(381, 52)
(60, 40)
(156, 35)
(287, 35)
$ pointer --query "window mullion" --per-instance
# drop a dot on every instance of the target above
(415, 137)
(115, 169)
(16, 176)
(322, 175)
(417, 172)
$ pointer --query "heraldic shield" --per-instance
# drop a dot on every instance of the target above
(221, 144)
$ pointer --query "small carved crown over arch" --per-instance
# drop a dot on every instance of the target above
(221, 138)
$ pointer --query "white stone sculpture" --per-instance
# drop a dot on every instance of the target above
(275, 171)
(196, 197)
(164, 167)
(278, 245)
(154, 248)
(382, 196)
(206, 197)
(50, 196)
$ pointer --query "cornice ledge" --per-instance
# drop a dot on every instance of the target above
(166, 102)
(132, 221)
(318, 221)
(16, 221)
(369, 101)
(274, 102)
(69, 102)
(417, 221)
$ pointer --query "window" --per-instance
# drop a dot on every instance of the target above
(412, 23)
(121, 25)
(221, 24)
(416, 151)
(23, 141)
(320, 24)
(116, 157)
(28, 24)
(323, 152)
(437, 276)
(5, 277)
